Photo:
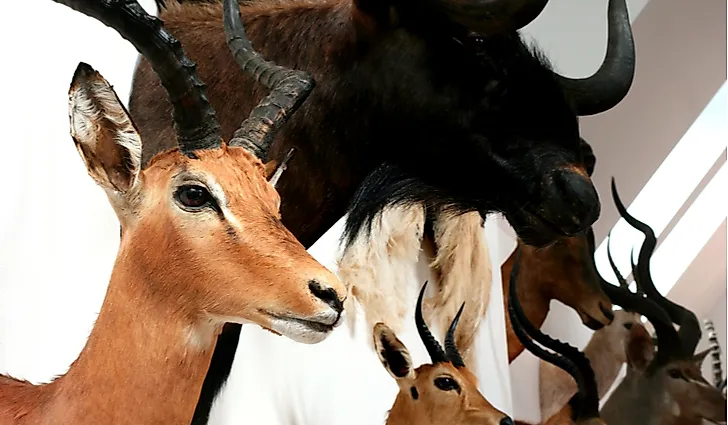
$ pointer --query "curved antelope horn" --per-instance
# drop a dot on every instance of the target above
(622, 281)
(194, 118)
(451, 349)
(610, 84)
(634, 273)
(289, 88)
(490, 17)
(433, 347)
(715, 353)
(585, 403)
(668, 339)
(690, 330)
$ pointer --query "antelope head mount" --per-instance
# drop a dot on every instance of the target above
(201, 223)
(664, 382)
(583, 407)
(444, 392)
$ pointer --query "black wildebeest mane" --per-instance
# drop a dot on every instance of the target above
(389, 186)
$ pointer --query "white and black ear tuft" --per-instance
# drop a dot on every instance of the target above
(102, 129)
(392, 353)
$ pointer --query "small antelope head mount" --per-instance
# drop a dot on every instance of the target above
(440, 393)
(583, 407)
(201, 224)
(666, 373)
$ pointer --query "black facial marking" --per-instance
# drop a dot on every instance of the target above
(231, 232)
(415, 394)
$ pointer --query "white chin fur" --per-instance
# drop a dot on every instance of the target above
(298, 331)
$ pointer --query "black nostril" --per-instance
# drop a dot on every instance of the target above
(327, 295)
(506, 421)
(571, 201)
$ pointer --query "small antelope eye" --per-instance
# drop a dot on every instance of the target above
(674, 374)
(628, 326)
(447, 384)
(193, 197)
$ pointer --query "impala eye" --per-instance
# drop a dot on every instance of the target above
(194, 197)
(628, 326)
(447, 384)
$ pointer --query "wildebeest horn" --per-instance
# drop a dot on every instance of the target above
(690, 329)
(490, 17)
(585, 403)
(289, 88)
(194, 118)
(451, 349)
(610, 84)
(433, 347)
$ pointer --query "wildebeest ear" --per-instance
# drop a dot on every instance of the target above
(588, 154)
(640, 348)
(392, 353)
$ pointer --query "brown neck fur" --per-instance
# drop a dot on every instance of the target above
(140, 365)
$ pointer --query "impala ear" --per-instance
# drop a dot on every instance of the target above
(392, 353)
(102, 129)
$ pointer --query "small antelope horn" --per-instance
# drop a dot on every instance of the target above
(433, 347)
(289, 88)
(714, 353)
(451, 348)
(668, 339)
(690, 330)
(622, 281)
(194, 117)
(612, 81)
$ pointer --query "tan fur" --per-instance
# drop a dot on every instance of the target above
(379, 268)
(564, 272)
(433, 405)
(606, 354)
(465, 274)
(179, 275)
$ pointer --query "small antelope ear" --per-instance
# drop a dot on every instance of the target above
(392, 353)
(700, 357)
(103, 132)
(640, 348)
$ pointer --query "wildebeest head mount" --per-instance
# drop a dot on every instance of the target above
(499, 127)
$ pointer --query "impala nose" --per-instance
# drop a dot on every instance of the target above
(506, 421)
(571, 202)
(327, 295)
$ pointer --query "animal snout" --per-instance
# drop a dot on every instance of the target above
(506, 421)
(326, 294)
(570, 200)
